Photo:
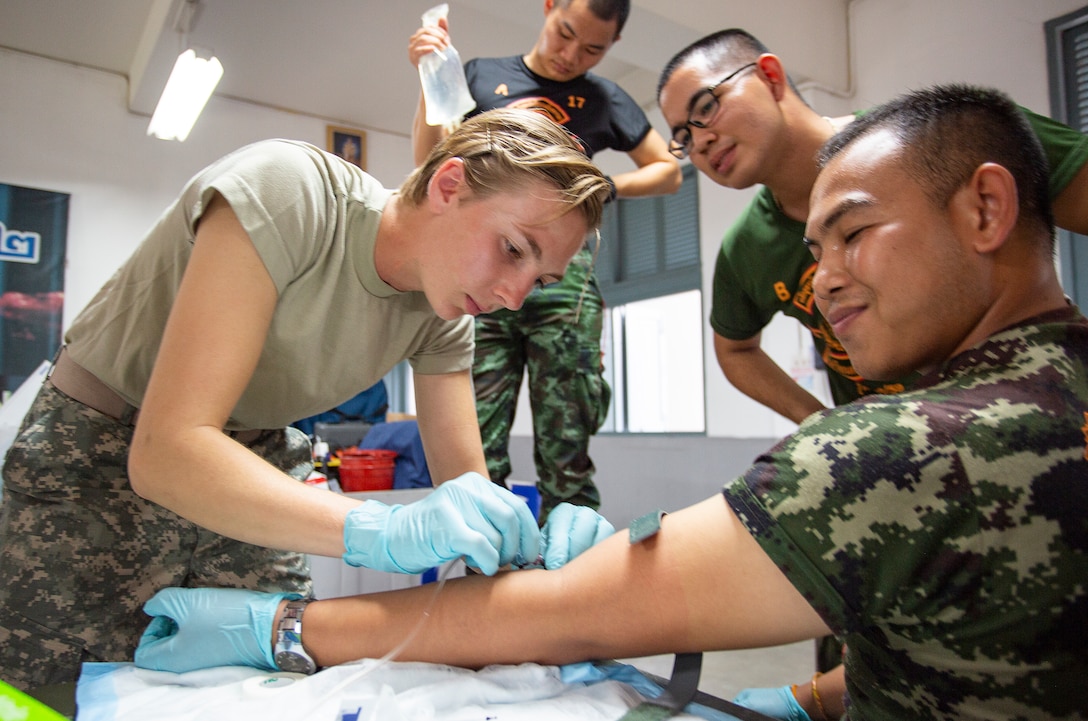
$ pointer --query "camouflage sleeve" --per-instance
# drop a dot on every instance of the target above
(937, 530)
(830, 503)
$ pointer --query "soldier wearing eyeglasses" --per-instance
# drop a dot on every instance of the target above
(734, 111)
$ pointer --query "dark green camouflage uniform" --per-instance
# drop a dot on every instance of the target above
(943, 532)
(68, 512)
(559, 343)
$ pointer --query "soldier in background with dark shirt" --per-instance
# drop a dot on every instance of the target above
(556, 335)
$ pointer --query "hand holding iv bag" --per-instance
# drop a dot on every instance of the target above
(443, 78)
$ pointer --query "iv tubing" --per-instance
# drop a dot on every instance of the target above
(384, 660)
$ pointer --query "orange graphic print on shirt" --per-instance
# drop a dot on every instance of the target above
(833, 354)
(543, 105)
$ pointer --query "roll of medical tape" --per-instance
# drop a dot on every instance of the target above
(270, 683)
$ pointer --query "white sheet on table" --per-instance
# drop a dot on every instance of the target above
(389, 692)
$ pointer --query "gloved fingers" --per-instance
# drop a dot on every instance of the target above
(570, 531)
(478, 530)
(499, 514)
(556, 534)
(160, 627)
(479, 551)
(155, 644)
(777, 702)
(164, 603)
(510, 525)
(365, 528)
(591, 526)
(195, 628)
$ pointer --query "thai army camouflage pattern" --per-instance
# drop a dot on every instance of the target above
(82, 492)
(943, 533)
(556, 336)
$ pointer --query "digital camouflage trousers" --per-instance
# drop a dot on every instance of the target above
(80, 552)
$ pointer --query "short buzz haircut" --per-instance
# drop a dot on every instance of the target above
(946, 132)
(724, 47)
(606, 10)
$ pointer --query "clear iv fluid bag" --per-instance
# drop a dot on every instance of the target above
(443, 79)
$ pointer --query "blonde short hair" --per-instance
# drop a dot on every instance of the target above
(506, 149)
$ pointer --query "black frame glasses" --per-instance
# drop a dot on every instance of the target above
(702, 110)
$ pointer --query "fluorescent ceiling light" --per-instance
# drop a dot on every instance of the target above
(186, 93)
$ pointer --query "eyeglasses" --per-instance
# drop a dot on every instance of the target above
(703, 108)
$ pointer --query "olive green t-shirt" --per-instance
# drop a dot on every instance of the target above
(940, 533)
(337, 328)
(764, 268)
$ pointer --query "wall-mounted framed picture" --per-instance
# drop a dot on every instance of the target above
(348, 143)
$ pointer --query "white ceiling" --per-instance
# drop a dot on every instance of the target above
(346, 60)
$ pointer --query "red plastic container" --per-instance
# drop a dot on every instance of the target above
(366, 470)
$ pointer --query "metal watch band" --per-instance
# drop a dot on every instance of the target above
(289, 653)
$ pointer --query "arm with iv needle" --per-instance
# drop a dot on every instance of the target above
(617, 600)
(180, 458)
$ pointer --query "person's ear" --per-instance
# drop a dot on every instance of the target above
(990, 203)
(445, 185)
(771, 70)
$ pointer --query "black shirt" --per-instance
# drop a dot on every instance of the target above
(593, 108)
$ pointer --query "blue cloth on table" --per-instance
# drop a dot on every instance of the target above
(403, 437)
(368, 406)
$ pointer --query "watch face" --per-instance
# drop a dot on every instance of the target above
(294, 662)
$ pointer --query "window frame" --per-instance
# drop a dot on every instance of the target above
(650, 248)
(1067, 72)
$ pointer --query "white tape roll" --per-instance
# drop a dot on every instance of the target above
(259, 686)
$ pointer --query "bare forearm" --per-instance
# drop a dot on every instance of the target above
(474, 621)
(446, 406)
(656, 172)
(424, 137)
(658, 178)
(757, 376)
(572, 614)
(215, 482)
(831, 687)
(616, 600)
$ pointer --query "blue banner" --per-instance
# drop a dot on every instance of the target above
(33, 243)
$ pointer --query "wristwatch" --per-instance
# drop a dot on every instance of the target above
(288, 651)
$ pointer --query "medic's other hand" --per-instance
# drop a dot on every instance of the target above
(194, 628)
(777, 703)
(570, 530)
(468, 516)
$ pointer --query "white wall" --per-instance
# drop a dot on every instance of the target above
(67, 129)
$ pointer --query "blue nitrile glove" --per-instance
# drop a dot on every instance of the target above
(778, 703)
(570, 530)
(468, 516)
(194, 628)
